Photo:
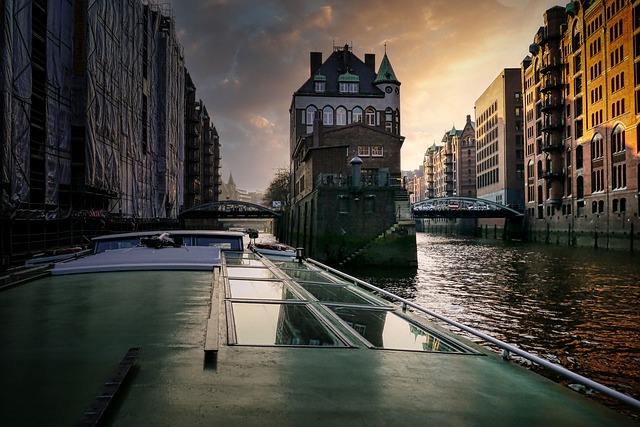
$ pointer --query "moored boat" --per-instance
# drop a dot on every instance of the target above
(256, 342)
(274, 250)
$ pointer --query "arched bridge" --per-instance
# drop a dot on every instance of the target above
(228, 209)
(462, 207)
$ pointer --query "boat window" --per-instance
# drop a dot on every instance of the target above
(109, 245)
(387, 330)
(252, 272)
(334, 293)
(280, 324)
(260, 289)
(224, 244)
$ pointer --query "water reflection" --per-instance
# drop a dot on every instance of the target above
(280, 324)
(388, 330)
(574, 306)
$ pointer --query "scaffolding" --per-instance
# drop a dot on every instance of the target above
(92, 105)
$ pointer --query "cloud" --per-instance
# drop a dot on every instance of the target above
(247, 57)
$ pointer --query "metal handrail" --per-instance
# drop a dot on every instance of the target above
(507, 348)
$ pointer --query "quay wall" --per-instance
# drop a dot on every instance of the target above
(599, 236)
(338, 224)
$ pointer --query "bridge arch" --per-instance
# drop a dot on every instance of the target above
(229, 209)
(462, 207)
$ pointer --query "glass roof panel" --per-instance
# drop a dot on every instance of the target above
(385, 329)
(254, 273)
(260, 289)
(307, 276)
(334, 293)
(280, 324)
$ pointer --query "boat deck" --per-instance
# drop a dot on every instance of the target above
(237, 347)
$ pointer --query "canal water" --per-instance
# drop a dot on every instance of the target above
(576, 307)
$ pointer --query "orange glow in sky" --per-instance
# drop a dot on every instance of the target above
(247, 57)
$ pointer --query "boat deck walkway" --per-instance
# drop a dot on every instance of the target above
(256, 343)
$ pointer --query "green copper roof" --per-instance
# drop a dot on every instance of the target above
(453, 131)
(319, 78)
(348, 77)
(385, 72)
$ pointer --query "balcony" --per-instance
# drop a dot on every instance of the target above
(548, 35)
(551, 64)
(552, 144)
(552, 102)
(549, 125)
(550, 83)
(553, 174)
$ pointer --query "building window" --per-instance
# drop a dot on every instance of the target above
(320, 87)
(377, 151)
(580, 187)
(618, 140)
(597, 147)
(364, 151)
(327, 116)
(311, 112)
(341, 116)
(370, 115)
(357, 115)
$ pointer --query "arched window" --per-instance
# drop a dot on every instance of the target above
(580, 187)
(327, 116)
(370, 115)
(311, 111)
(388, 120)
(575, 36)
(357, 115)
(341, 116)
(597, 146)
(579, 158)
(618, 140)
(618, 158)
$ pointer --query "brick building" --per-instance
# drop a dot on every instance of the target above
(345, 161)
(358, 112)
(500, 140)
(582, 109)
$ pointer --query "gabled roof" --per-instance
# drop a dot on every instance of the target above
(343, 62)
(386, 73)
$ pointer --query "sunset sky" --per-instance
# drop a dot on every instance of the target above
(247, 57)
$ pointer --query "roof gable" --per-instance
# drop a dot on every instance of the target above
(343, 65)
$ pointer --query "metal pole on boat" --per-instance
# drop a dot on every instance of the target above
(299, 254)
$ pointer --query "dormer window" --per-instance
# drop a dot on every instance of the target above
(320, 83)
(349, 83)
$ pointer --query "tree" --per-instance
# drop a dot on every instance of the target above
(278, 190)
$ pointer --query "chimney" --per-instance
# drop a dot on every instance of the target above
(345, 58)
(315, 62)
(370, 60)
(318, 129)
(356, 169)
